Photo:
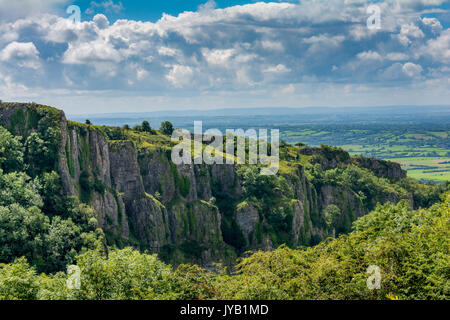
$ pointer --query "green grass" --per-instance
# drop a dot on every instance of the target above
(426, 168)
(419, 150)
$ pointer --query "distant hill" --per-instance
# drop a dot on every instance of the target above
(382, 110)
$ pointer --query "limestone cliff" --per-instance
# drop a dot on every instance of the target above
(190, 213)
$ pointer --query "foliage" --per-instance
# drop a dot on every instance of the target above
(49, 244)
(424, 194)
(51, 193)
(43, 230)
(86, 187)
(11, 151)
(410, 247)
(41, 151)
(182, 182)
(273, 195)
(167, 128)
(18, 281)
(22, 233)
(122, 274)
(146, 126)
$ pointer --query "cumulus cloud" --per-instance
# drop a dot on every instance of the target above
(420, 3)
(439, 48)
(411, 69)
(369, 55)
(261, 46)
(21, 54)
(180, 76)
(14, 9)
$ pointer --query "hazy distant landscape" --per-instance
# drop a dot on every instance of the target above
(416, 136)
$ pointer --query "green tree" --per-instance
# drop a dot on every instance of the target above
(18, 188)
(22, 233)
(146, 126)
(18, 281)
(331, 213)
(166, 128)
(38, 154)
(61, 243)
(51, 193)
(11, 151)
(123, 274)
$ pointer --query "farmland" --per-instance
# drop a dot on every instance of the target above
(417, 137)
(424, 154)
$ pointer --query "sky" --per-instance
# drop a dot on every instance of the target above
(138, 56)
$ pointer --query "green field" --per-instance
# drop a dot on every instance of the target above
(431, 168)
(417, 137)
(424, 153)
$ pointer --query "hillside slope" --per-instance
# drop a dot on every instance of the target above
(199, 213)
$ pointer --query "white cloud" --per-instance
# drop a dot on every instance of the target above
(281, 68)
(180, 76)
(369, 55)
(101, 21)
(439, 48)
(290, 89)
(165, 51)
(91, 53)
(22, 54)
(11, 10)
(258, 47)
(420, 3)
(218, 57)
(272, 45)
(412, 70)
(397, 56)
(141, 74)
(411, 30)
(433, 23)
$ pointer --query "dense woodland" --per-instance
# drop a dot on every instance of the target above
(42, 232)
(410, 247)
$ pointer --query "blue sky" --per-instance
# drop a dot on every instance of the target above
(128, 56)
(152, 10)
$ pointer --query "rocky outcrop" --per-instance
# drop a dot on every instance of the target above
(381, 168)
(249, 221)
(328, 157)
(189, 213)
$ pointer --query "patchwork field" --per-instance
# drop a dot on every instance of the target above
(431, 168)
(417, 137)
(424, 154)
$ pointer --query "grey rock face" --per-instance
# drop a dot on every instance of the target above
(150, 203)
(381, 168)
(247, 218)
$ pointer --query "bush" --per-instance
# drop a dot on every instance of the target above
(146, 126)
(18, 281)
(166, 128)
(11, 152)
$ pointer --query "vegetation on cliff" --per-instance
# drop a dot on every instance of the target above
(411, 248)
(74, 193)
